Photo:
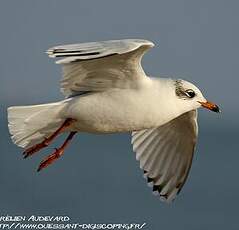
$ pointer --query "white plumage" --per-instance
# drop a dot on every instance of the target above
(107, 91)
(29, 125)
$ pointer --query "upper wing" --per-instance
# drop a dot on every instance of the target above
(165, 153)
(97, 66)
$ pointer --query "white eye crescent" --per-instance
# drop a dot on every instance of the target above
(190, 93)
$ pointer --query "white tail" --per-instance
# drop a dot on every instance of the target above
(29, 125)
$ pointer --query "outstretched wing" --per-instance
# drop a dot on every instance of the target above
(165, 154)
(97, 66)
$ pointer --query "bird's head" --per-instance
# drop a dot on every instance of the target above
(191, 97)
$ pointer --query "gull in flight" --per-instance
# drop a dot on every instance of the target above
(107, 91)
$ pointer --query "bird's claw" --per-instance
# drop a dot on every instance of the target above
(50, 159)
(30, 151)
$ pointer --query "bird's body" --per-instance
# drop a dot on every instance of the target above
(107, 91)
(121, 110)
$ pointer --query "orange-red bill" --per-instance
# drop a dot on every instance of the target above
(211, 106)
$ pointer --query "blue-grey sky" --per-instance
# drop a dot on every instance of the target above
(98, 179)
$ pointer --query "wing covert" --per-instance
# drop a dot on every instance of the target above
(98, 66)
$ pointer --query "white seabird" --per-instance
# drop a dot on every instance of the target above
(107, 91)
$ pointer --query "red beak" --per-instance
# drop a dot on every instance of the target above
(211, 106)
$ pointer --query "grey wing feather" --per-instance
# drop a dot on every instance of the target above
(97, 66)
(165, 154)
(92, 50)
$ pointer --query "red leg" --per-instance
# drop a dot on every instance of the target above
(35, 148)
(58, 152)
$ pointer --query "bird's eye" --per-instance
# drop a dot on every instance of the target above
(190, 93)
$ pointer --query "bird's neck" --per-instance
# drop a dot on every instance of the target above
(168, 106)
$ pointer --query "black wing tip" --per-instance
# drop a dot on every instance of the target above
(157, 189)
